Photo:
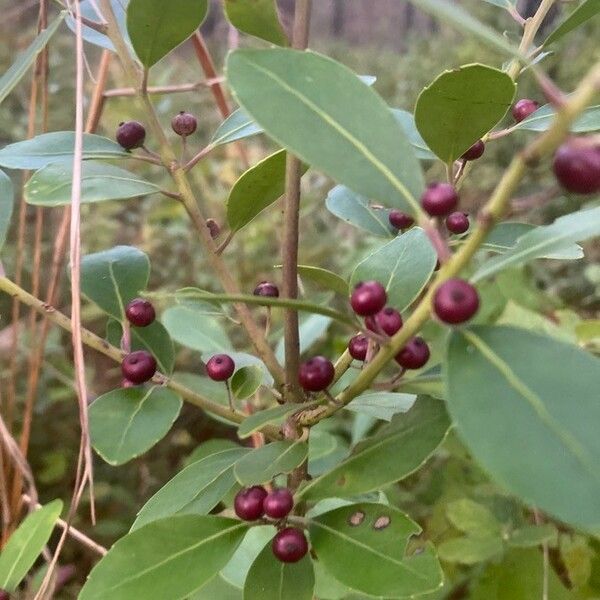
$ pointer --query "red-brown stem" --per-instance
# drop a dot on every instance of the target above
(163, 89)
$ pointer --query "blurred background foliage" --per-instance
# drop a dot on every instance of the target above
(405, 51)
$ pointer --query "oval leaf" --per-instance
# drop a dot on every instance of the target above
(157, 341)
(128, 421)
(407, 122)
(259, 419)
(382, 405)
(237, 126)
(7, 201)
(246, 381)
(258, 18)
(541, 119)
(515, 416)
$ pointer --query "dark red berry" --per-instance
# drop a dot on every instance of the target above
(523, 108)
(414, 355)
(457, 222)
(316, 374)
(184, 123)
(290, 545)
(220, 367)
(278, 503)
(358, 346)
(368, 298)
(139, 366)
(140, 312)
(439, 199)
(455, 301)
(577, 166)
(475, 151)
(400, 220)
(248, 503)
(266, 289)
(213, 227)
(131, 134)
(388, 321)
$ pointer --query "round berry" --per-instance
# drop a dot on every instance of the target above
(358, 346)
(523, 108)
(266, 289)
(439, 199)
(316, 374)
(140, 312)
(220, 367)
(455, 301)
(184, 123)
(138, 367)
(388, 321)
(248, 503)
(475, 151)
(457, 222)
(290, 545)
(414, 355)
(577, 167)
(278, 503)
(400, 220)
(368, 298)
(131, 134)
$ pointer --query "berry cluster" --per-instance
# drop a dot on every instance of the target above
(139, 366)
(289, 544)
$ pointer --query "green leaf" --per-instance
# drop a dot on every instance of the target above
(403, 266)
(7, 201)
(262, 464)
(470, 550)
(26, 544)
(271, 579)
(530, 423)
(258, 18)
(364, 546)
(197, 489)
(382, 405)
(587, 10)
(170, 558)
(588, 331)
(461, 19)
(51, 186)
(276, 414)
(237, 126)
(155, 31)
(155, 339)
(543, 241)
(355, 210)
(533, 535)
(541, 119)
(407, 122)
(258, 188)
(127, 422)
(461, 106)
(48, 148)
(114, 277)
(324, 278)
(312, 329)
(208, 448)
(195, 329)
(246, 381)
(394, 452)
(219, 589)
(354, 137)
(473, 518)
(17, 70)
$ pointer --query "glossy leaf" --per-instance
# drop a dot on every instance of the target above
(356, 210)
(324, 278)
(374, 537)
(155, 32)
(271, 579)
(264, 463)
(127, 422)
(26, 544)
(197, 489)
(394, 452)
(407, 122)
(95, 37)
(312, 329)
(19, 68)
(403, 266)
(382, 405)
(256, 421)
(258, 18)
(514, 415)
(541, 119)
(51, 186)
(48, 148)
(7, 201)
(354, 138)
(112, 278)
(470, 550)
(246, 381)
(461, 106)
(170, 558)
(587, 10)
(544, 241)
